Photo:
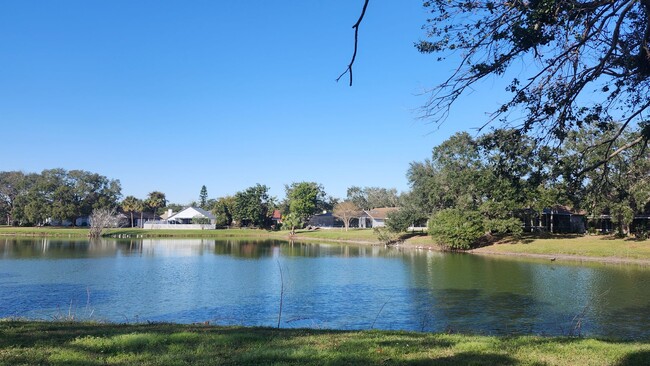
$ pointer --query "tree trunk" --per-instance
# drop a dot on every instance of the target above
(131, 219)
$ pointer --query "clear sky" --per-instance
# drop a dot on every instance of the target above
(173, 95)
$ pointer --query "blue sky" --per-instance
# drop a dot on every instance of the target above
(173, 95)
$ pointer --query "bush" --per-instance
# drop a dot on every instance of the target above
(456, 229)
(399, 221)
(385, 235)
(504, 226)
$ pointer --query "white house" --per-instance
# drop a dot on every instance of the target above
(188, 218)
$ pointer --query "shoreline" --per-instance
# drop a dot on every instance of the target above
(565, 257)
(366, 238)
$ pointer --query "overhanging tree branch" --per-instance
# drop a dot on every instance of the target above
(583, 63)
(356, 43)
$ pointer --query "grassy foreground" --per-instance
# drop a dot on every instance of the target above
(61, 343)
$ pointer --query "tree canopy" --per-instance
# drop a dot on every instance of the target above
(131, 204)
(569, 65)
(367, 198)
(155, 200)
(55, 194)
(346, 211)
(252, 206)
(203, 197)
(305, 199)
(585, 63)
(222, 209)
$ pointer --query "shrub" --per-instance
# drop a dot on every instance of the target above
(399, 221)
(386, 236)
(504, 226)
(456, 229)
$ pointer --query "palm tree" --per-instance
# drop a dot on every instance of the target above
(130, 204)
(156, 200)
(140, 208)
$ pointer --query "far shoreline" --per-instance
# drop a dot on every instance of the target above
(587, 248)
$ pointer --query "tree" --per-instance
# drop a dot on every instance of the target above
(621, 188)
(291, 221)
(203, 198)
(176, 207)
(100, 219)
(12, 185)
(452, 178)
(304, 199)
(139, 207)
(346, 211)
(252, 206)
(222, 209)
(576, 64)
(474, 176)
(399, 221)
(368, 198)
(55, 194)
(76, 193)
(131, 204)
(155, 200)
(456, 229)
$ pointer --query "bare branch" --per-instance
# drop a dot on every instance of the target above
(356, 43)
(611, 156)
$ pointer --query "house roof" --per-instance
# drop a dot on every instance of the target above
(276, 215)
(191, 212)
(380, 213)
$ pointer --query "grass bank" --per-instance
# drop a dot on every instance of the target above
(61, 343)
(354, 235)
(601, 248)
(598, 248)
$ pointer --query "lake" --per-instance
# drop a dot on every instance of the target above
(321, 286)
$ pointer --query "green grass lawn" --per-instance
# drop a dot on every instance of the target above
(43, 231)
(333, 234)
(64, 343)
(587, 246)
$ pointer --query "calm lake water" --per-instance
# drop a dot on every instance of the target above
(325, 286)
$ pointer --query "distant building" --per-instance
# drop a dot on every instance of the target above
(187, 219)
(325, 220)
(276, 217)
(375, 217)
(561, 219)
(189, 215)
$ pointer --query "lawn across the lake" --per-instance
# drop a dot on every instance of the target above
(352, 235)
(77, 343)
(602, 248)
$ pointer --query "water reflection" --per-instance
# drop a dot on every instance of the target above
(326, 285)
(51, 248)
